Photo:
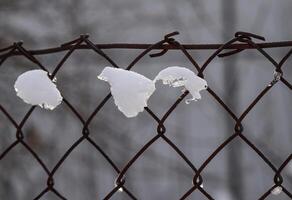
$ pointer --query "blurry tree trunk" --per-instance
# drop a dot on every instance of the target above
(6, 185)
(231, 85)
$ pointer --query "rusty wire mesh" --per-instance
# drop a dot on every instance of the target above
(240, 42)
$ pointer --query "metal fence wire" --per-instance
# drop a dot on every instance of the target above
(240, 42)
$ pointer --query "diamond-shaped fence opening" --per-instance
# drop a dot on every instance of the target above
(242, 41)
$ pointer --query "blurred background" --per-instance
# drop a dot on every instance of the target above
(237, 173)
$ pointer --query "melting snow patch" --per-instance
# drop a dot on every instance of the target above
(180, 76)
(130, 90)
(36, 88)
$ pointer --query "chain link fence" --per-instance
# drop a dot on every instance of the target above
(241, 41)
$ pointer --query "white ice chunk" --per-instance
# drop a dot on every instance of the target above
(34, 87)
(277, 190)
(130, 90)
(176, 76)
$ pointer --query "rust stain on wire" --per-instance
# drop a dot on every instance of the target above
(241, 41)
